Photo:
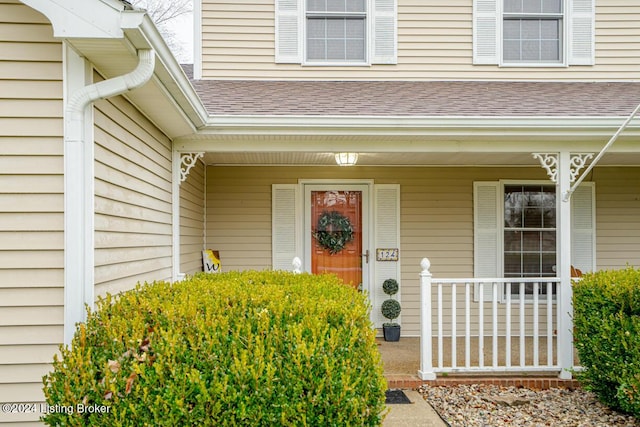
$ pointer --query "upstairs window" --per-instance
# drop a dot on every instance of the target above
(336, 31)
(532, 31)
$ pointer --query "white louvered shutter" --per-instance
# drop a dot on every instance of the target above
(288, 34)
(486, 21)
(582, 32)
(385, 32)
(387, 235)
(284, 225)
(583, 233)
(486, 233)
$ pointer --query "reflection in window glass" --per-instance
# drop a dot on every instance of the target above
(336, 30)
(529, 231)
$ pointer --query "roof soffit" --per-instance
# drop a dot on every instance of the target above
(89, 19)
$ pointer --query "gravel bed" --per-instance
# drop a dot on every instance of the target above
(491, 405)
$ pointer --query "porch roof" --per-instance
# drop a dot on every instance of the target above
(415, 99)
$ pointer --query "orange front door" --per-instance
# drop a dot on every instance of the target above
(336, 234)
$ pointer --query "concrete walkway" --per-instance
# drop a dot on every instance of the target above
(418, 413)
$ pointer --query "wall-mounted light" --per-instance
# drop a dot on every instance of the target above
(346, 159)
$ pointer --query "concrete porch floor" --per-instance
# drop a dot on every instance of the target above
(401, 361)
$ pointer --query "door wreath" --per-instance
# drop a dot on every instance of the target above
(333, 231)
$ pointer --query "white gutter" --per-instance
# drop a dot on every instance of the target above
(613, 139)
(78, 187)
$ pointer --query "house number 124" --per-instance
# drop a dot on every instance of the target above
(387, 254)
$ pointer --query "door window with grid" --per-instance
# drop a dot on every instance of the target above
(532, 31)
(529, 233)
(336, 30)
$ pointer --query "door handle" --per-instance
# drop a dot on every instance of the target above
(366, 256)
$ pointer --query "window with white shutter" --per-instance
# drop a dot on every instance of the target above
(533, 32)
(515, 231)
(336, 32)
(284, 223)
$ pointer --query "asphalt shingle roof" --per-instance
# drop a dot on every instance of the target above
(418, 98)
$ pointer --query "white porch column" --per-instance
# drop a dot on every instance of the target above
(182, 163)
(563, 269)
(426, 351)
(563, 169)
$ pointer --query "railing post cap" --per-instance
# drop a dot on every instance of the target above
(297, 264)
(425, 264)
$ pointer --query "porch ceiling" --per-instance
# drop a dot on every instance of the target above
(396, 159)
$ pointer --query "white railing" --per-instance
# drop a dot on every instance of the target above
(515, 333)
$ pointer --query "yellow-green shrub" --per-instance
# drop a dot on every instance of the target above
(253, 348)
(607, 336)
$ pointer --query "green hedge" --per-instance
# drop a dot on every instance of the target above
(607, 336)
(253, 348)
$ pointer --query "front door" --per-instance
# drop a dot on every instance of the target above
(336, 232)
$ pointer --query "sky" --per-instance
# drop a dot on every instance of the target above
(183, 28)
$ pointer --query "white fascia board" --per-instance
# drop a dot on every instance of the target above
(402, 125)
(407, 134)
(175, 81)
(85, 19)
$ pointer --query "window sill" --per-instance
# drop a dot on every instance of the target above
(533, 65)
(335, 64)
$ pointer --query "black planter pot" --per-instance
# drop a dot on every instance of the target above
(391, 332)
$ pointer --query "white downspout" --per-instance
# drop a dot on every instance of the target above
(79, 188)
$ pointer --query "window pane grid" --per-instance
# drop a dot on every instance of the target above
(336, 30)
(529, 234)
(335, 39)
(532, 31)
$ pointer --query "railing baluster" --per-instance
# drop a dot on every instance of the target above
(494, 315)
(467, 325)
(440, 352)
(454, 327)
(549, 324)
(536, 324)
(507, 338)
(522, 330)
(481, 325)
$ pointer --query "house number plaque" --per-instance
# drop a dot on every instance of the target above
(387, 254)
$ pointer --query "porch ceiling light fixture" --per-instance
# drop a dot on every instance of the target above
(346, 159)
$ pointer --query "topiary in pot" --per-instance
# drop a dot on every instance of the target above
(391, 310)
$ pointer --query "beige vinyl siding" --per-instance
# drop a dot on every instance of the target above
(238, 220)
(617, 217)
(192, 193)
(132, 198)
(31, 205)
(434, 43)
(436, 217)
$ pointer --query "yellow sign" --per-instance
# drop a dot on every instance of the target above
(211, 261)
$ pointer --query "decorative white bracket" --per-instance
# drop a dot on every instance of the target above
(549, 161)
(187, 161)
(578, 161)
